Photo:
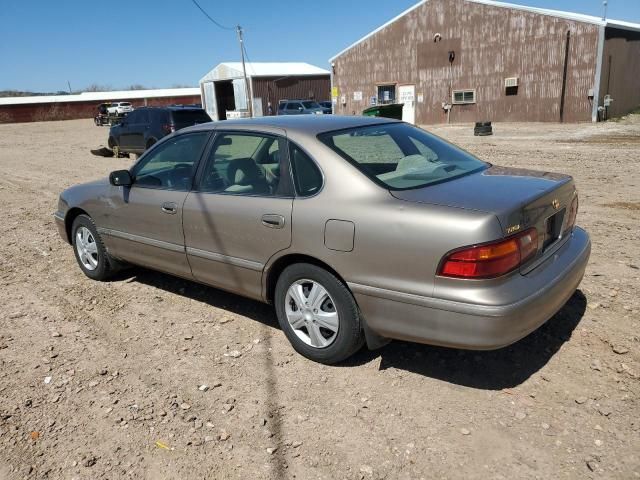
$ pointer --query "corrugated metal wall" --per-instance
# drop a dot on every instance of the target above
(71, 110)
(490, 44)
(274, 89)
(621, 70)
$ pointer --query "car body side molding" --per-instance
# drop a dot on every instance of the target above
(218, 257)
(140, 239)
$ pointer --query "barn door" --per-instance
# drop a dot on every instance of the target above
(210, 100)
(407, 96)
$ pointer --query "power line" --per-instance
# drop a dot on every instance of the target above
(219, 25)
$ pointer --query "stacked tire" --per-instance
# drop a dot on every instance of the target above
(483, 129)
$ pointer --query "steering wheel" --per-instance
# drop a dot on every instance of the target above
(179, 175)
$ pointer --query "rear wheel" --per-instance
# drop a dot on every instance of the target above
(113, 145)
(89, 250)
(318, 314)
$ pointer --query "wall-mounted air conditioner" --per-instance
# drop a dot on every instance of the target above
(510, 82)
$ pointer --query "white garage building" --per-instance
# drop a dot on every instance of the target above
(223, 88)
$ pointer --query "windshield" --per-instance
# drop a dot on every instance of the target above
(310, 105)
(399, 156)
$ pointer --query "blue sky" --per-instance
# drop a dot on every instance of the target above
(162, 43)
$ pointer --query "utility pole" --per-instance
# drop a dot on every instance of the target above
(244, 72)
(604, 4)
(69, 84)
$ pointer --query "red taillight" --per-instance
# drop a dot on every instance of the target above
(168, 128)
(573, 213)
(493, 259)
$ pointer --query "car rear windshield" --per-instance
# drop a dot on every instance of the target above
(399, 156)
(125, 104)
(190, 117)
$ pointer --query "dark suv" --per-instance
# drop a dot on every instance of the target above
(145, 126)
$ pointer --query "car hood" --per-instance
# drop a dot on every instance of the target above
(516, 196)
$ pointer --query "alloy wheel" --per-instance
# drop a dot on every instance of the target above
(312, 313)
(87, 248)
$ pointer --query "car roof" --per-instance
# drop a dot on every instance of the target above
(304, 124)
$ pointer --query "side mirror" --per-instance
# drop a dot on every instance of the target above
(120, 178)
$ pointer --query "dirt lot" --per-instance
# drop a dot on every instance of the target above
(94, 375)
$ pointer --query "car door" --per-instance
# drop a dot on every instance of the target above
(127, 126)
(239, 214)
(139, 129)
(143, 224)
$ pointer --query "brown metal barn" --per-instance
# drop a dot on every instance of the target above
(224, 89)
(476, 60)
(84, 105)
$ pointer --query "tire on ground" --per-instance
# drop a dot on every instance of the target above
(350, 337)
(106, 265)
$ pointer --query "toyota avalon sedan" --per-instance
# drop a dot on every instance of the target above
(357, 230)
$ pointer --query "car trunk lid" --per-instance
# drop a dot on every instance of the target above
(519, 198)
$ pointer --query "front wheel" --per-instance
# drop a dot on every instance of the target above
(318, 314)
(89, 250)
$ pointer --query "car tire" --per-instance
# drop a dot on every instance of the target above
(92, 257)
(337, 307)
(113, 145)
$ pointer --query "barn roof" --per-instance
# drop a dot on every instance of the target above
(542, 11)
(231, 70)
(104, 96)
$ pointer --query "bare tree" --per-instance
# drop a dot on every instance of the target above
(94, 87)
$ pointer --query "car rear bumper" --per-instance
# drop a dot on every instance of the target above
(449, 323)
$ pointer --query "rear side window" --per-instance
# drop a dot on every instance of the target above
(307, 176)
(143, 116)
(246, 164)
(190, 117)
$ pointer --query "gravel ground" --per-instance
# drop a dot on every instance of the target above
(105, 380)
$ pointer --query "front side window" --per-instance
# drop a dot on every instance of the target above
(245, 164)
(294, 106)
(171, 165)
(399, 156)
(310, 105)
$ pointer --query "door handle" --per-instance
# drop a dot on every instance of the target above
(170, 208)
(273, 220)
